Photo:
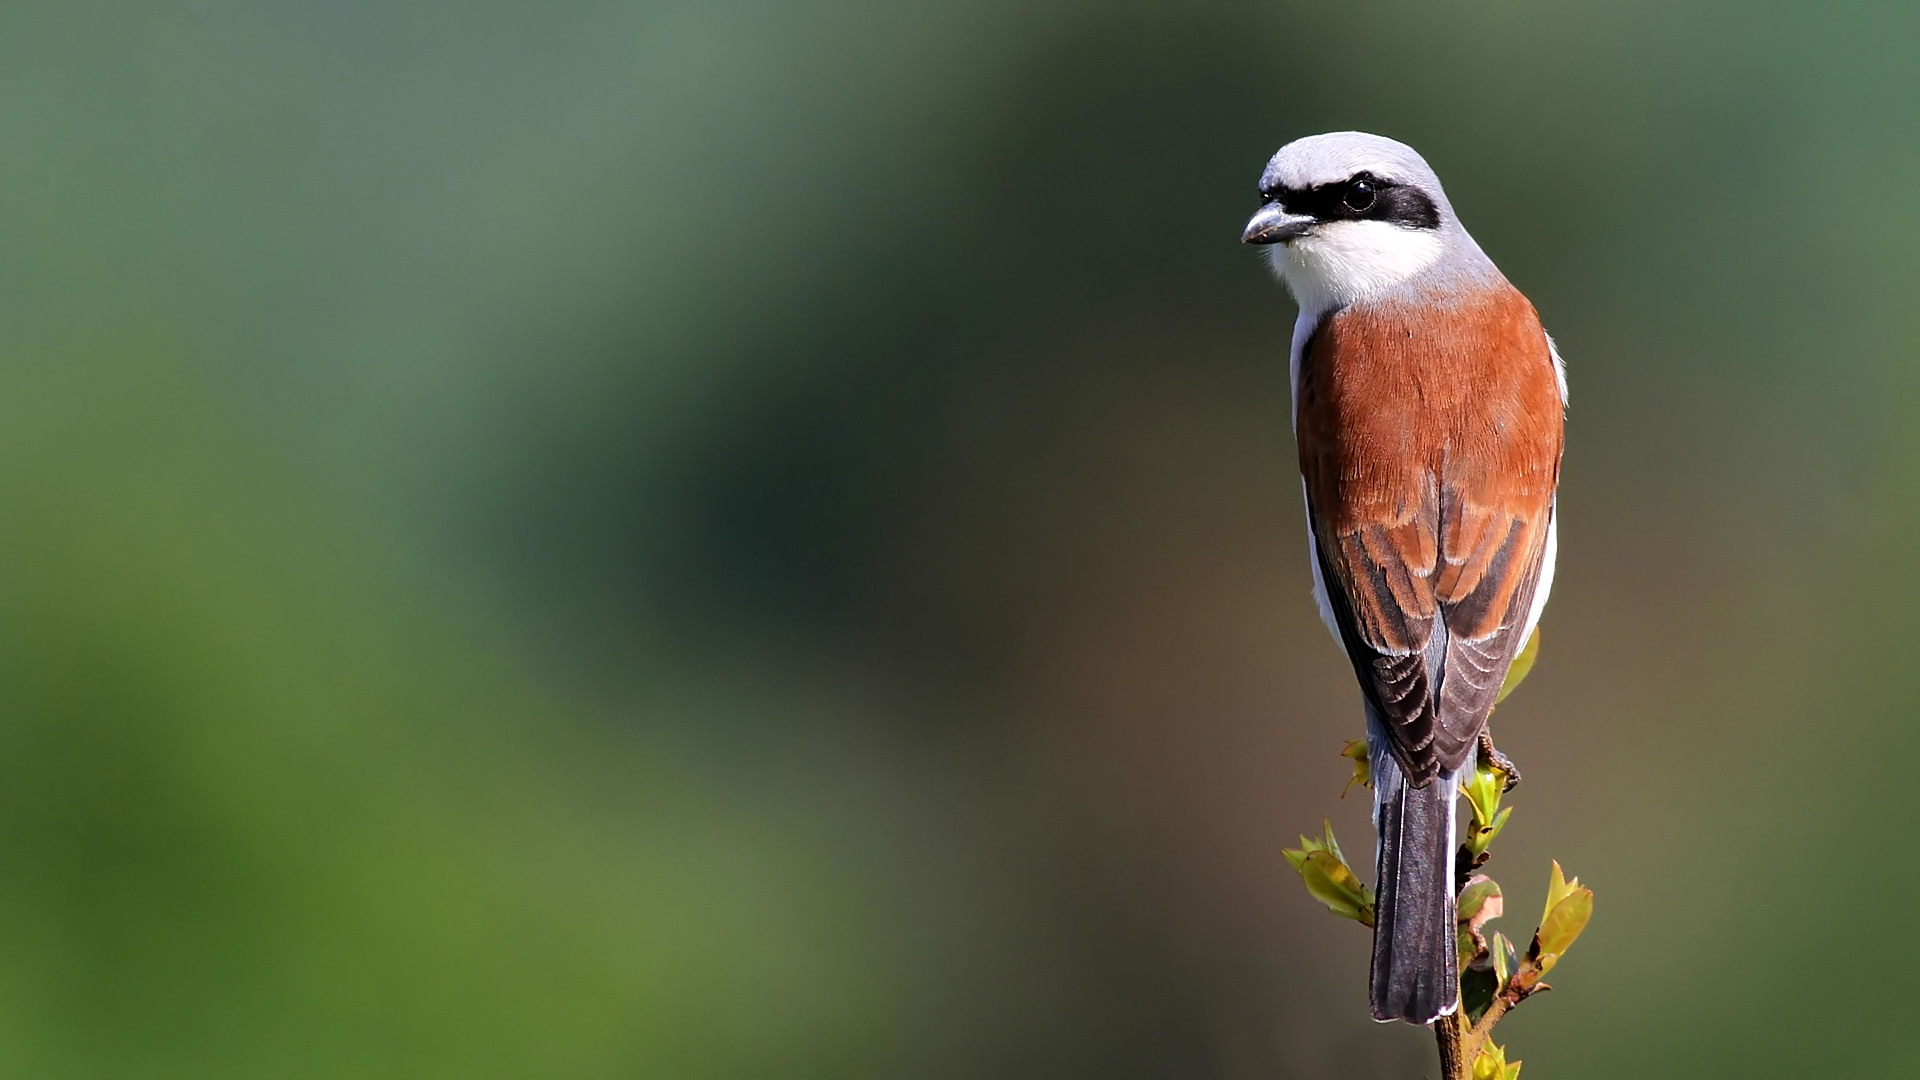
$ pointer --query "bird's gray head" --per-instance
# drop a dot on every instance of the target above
(1349, 215)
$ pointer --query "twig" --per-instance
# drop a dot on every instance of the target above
(1453, 1054)
(1464, 1044)
(1477, 1038)
(1524, 984)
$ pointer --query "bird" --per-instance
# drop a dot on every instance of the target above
(1428, 409)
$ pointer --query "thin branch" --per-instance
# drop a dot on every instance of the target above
(1516, 991)
(1453, 1056)
(1475, 1039)
(1462, 1042)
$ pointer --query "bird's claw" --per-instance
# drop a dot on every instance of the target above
(1492, 756)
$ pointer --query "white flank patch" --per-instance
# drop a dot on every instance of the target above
(1545, 586)
(1559, 368)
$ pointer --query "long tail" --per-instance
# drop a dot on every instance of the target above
(1415, 962)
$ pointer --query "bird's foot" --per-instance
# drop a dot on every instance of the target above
(1492, 756)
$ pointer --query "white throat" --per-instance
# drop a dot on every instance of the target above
(1341, 262)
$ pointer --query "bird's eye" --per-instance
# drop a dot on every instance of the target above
(1359, 197)
(1268, 196)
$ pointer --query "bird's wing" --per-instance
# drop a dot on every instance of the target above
(1431, 450)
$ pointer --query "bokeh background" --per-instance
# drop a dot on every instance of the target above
(752, 539)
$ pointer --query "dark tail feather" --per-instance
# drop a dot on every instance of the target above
(1415, 963)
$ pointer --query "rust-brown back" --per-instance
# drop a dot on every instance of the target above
(1430, 435)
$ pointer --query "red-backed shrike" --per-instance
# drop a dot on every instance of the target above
(1427, 405)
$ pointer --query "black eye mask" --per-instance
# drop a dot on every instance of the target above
(1362, 197)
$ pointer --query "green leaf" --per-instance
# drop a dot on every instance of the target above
(1479, 839)
(1558, 888)
(1503, 956)
(1522, 666)
(1329, 879)
(1362, 767)
(1478, 985)
(1480, 978)
(1483, 788)
(1491, 1064)
(1316, 843)
(1479, 901)
(1569, 907)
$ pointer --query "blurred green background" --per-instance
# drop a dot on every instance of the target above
(749, 539)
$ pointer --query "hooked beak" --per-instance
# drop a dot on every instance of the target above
(1272, 225)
